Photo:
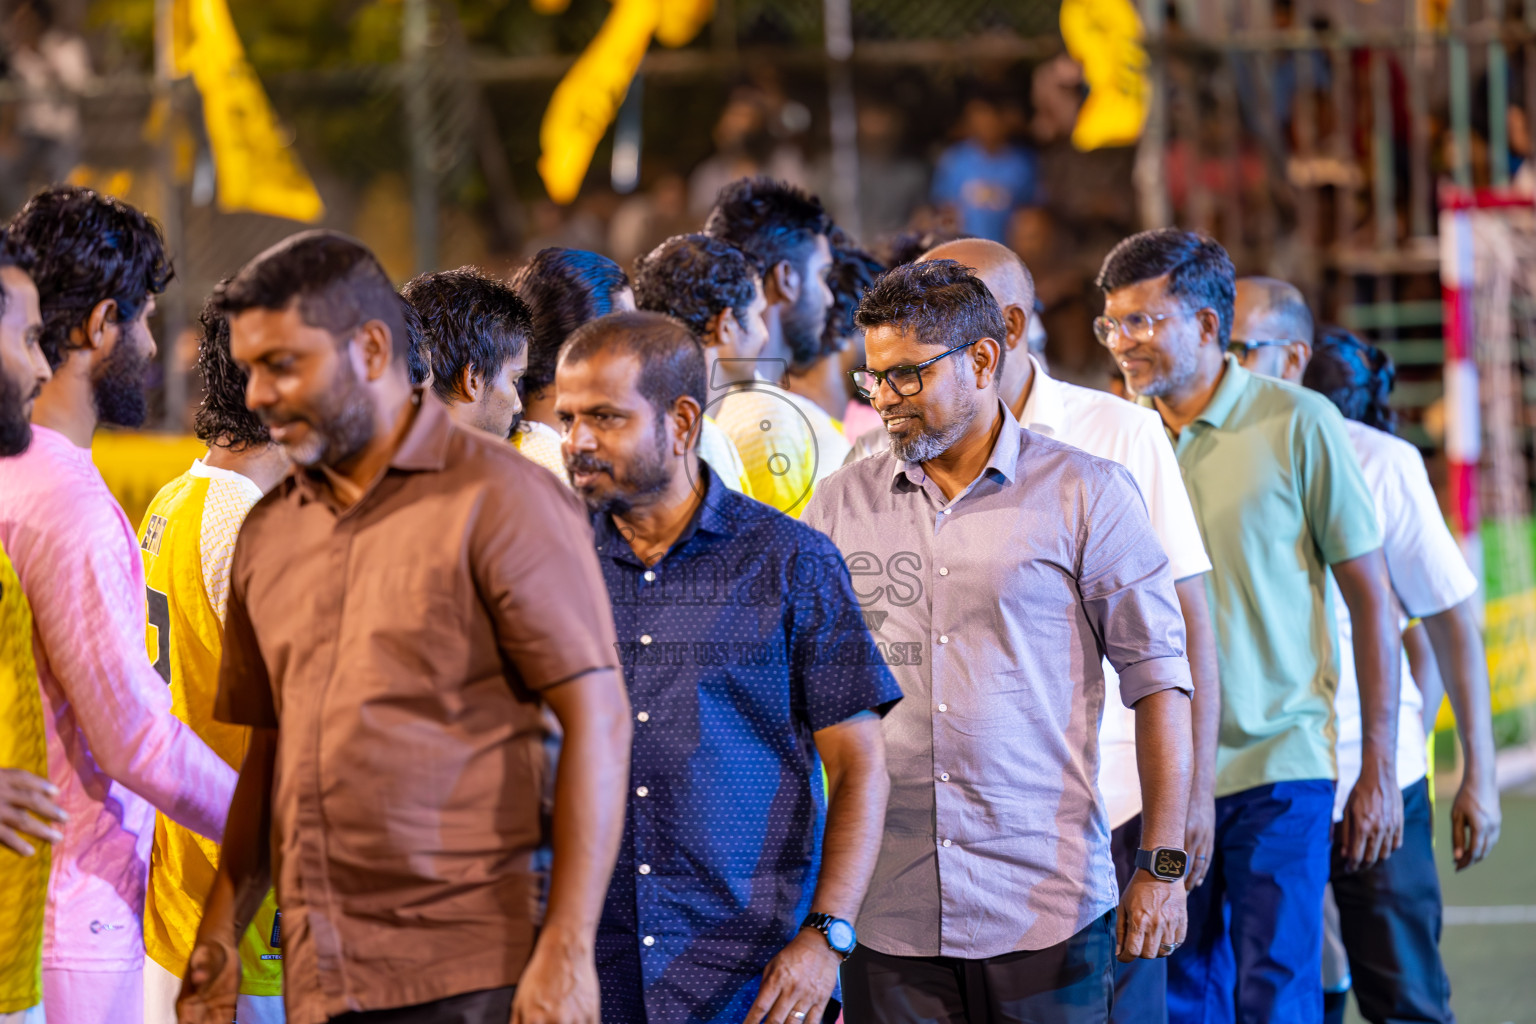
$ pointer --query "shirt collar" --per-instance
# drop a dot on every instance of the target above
(709, 517)
(1234, 381)
(1004, 459)
(1045, 412)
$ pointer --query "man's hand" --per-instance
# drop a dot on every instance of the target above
(23, 795)
(1199, 839)
(559, 985)
(1475, 822)
(212, 985)
(1152, 920)
(797, 983)
(1373, 818)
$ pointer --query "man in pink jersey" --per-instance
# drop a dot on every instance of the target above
(115, 751)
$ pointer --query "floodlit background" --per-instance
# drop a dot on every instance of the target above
(1374, 153)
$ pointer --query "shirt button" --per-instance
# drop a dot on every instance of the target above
(944, 777)
(943, 571)
(943, 707)
(646, 638)
(649, 940)
(644, 716)
(946, 511)
(643, 792)
(650, 577)
(944, 639)
(946, 842)
(645, 869)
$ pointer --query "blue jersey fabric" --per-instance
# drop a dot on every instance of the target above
(738, 645)
(985, 188)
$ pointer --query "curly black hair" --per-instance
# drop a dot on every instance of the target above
(943, 302)
(692, 278)
(771, 221)
(564, 288)
(418, 361)
(467, 319)
(853, 271)
(1354, 375)
(89, 247)
(223, 420)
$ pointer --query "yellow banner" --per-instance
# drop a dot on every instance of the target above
(588, 97)
(1104, 36)
(136, 465)
(257, 170)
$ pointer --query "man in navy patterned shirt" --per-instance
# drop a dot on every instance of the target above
(749, 669)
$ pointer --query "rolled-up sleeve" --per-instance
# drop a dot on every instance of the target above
(1127, 590)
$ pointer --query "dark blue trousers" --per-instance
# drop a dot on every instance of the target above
(1255, 946)
(1390, 917)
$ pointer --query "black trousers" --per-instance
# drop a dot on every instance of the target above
(1390, 915)
(1141, 986)
(1071, 982)
(488, 1006)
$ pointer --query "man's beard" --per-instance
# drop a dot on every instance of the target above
(646, 477)
(802, 325)
(119, 387)
(15, 429)
(338, 429)
(931, 442)
(1185, 364)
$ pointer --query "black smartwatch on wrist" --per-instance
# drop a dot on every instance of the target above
(838, 933)
(1164, 863)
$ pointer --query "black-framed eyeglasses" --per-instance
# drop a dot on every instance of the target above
(906, 380)
(1245, 347)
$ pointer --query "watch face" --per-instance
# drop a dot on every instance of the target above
(1170, 863)
(840, 936)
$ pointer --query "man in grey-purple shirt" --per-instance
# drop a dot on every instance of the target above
(997, 567)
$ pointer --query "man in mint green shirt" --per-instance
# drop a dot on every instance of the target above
(1280, 500)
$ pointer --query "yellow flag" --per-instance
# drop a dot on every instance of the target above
(1104, 36)
(256, 169)
(588, 97)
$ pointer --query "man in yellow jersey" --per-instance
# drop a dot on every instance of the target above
(187, 538)
(26, 803)
(784, 231)
(474, 336)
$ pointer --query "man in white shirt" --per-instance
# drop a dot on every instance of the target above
(1390, 914)
(1112, 428)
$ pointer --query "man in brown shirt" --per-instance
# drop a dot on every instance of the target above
(401, 609)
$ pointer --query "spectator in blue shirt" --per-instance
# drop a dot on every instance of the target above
(982, 179)
(750, 667)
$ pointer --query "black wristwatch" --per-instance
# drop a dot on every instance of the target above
(1164, 863)
(838, 933)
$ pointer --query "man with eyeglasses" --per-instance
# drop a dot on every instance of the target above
(1280, 500)
(1006, 565)
(1271, 328)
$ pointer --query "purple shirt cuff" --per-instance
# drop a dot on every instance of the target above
(1153, 676)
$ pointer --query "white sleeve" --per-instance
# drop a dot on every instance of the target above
(224, 509)
(1152, 462)
(1428, 571)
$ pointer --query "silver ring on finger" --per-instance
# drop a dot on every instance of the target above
(1168, 947)
(798, 1015)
